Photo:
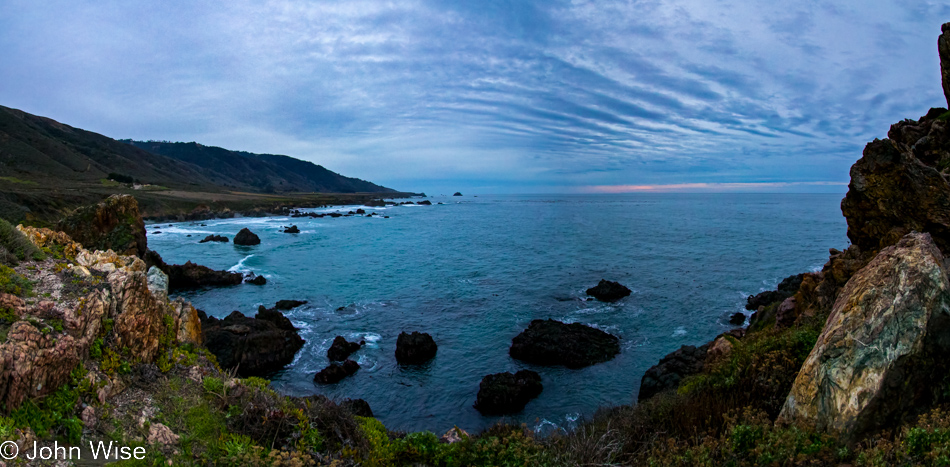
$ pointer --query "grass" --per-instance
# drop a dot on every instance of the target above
(17, 181)
(15, 247)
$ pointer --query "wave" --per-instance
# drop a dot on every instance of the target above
(239, 267)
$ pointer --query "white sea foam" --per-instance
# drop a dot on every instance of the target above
(240, 267)
(679, 332)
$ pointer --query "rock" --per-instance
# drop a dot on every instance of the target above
(341, 349)
(214, 238)
(549, 342)
(114, 224)
(667, 374)
(291, 229)
(415, 348)
(737, 319)
(425, 203)
(187, 321)
(276, 317)
(157, 283)
(900, 185)
(191, 275)
(454, 435)
(161, 435)
(289, 304)
(88, 417)
(608, 291)
(336, 372)
(256, 347)
(257, 280)
(505, 393)
(457, 194)
(357, 407)
(882, 351)
(246, 237)
(943, 48)
(785, 289)
(360, 211)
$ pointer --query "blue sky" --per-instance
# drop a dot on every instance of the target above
(489, 96)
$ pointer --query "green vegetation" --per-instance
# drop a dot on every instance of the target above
(15, 247)
(12, 282)
(56, 414)
(17, 180)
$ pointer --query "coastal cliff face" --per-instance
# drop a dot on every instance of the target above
(879, 356)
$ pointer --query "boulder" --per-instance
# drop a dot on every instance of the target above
(608, 291)
(289, 304)
(255, 279)
(157, 283)
(457, 194)
(505, 393)
(335, 372)
(358, 407)
(341, 349)
(291, 229)
(737, 319)
(785, 289)
(214, 238)
(114, 224)
(246, 237)
(667, 374)
(881, 355)
(425, 203)
(415, 348)
(255, 347)
(549, 342)
(276, 317)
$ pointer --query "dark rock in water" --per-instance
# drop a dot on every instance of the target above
(289, 304)
(415, 348)
(156, 232)
(336, 372)
(276, 317)
(114, 224)
(505, 393)
(246, 237)
(190, 275)
(737, 319)
(457, 194)
(425, 203)
(376, 203)
(357, 407)
(292, 229)
(666, 375)
(785, 289)
(341, 349)
(257, 280)
(608, 291)
(255, 347)
(214, 238)
(360, 211)
(188, 235)
(549, 342)
(335, 214)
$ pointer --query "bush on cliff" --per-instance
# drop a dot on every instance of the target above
(14, 246)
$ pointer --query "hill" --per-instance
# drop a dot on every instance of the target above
(267, 173)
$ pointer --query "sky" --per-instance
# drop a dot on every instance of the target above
(490, 96)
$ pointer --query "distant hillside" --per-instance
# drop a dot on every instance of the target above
(266, 173)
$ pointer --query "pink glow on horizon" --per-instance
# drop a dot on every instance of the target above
(704, 186)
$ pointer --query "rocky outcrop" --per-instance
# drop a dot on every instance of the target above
(192, 276)
(357, 407)
(114, 224)
(254, 346)
(214, 238)
(608, 291)
(276, 317)
(246, 237)
(335, 372)
(549, 342)
(341, 349)
(505, 393)
(785, 289)
(292, 229)
(415, 348)
(667, 374)
(900, 185)
(289, 304)
(943, 48)
(882, 352)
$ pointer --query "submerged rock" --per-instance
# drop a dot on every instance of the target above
(505, 393)
(549, 342)
(214, 238)
(608, 291)
(335, 372)
(114, 224)
(882, 352)
(341, 349)
(254, 346)
(415, 348)
(246, 237)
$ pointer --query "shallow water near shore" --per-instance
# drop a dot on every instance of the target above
(475, 271)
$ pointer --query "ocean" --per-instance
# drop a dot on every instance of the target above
(474, 271)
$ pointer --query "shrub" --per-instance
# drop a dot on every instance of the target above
(16, 246)
(13, 282)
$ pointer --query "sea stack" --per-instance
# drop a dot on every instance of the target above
(246, 237)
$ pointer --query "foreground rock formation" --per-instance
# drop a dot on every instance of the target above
(253, 346)
(114, 224)
(505, 393)
(883, 349)
(549, 342)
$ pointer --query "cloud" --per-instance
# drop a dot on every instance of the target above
(520, 94)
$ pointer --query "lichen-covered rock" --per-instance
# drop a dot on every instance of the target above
(187, 322)
(114, 224)
(883, 349)
(46, 238)
(158, 283)
(575, 345)
(139, 321)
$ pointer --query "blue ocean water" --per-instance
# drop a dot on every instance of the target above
(473, 272)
